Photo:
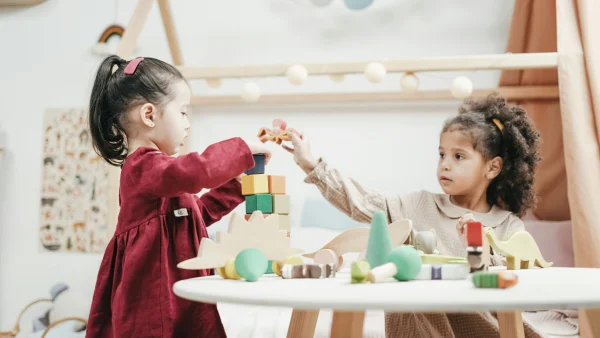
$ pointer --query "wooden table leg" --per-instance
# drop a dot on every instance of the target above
(347, 324)
(511, 324)
(302, 324)
(593, 321)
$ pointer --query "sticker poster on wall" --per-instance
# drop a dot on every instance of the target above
(74, 199)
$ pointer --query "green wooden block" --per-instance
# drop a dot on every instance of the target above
(262, 202)
(360, 271)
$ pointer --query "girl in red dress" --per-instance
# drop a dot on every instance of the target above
(138, 120)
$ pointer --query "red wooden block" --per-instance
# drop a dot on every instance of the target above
(474, 234)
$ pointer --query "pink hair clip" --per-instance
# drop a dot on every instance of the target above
(132, 65)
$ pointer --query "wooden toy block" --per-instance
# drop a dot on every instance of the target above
(359, 272)
(478, 249)
(307, 271)
(444, 272)
(495, 280)
(259, 165)
(474, 234)
(284, 223)
(260, 202)
(276, 185)
(259, 233)
(520, 249)
(255, 184)
(281, 204)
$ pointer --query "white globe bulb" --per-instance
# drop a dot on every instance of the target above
(375, 72)
(321, 3)
(213, 83)
(250, 92)
(409, 83)
(296, 74)
(337, 77)
(462, 87)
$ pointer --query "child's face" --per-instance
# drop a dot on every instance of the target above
(172, 123)
(461, 169)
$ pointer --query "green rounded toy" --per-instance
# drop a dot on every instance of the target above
(404, 265)
(250, 264)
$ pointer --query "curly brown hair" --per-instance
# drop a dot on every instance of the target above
(517, 145)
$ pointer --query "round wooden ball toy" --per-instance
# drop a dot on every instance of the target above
(462, 87)
(229, 271)
(375, 72)
(409, 83)
(250, 264)
(404, 265)
(250, 92)
(296, 74)
(213, 83)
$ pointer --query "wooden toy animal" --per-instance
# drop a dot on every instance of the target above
(520, 250)
(424, 241)
(356, 240)
(277, 134)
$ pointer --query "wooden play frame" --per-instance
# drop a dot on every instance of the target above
(344, 324)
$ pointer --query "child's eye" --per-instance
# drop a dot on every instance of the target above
(459, 157)
(442, 155)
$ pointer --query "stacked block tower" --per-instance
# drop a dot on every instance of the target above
(266, 193)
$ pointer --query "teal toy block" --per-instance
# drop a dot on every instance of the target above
(262, 202)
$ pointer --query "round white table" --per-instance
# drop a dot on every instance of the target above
(538, 289)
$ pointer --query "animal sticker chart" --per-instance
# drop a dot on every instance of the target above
(74, 201)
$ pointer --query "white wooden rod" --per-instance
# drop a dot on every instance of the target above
(510, 93)
(469, 62)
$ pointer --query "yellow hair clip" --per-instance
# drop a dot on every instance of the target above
(499, 125)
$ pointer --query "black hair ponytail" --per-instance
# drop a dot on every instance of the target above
(115, 93)
(500, 129)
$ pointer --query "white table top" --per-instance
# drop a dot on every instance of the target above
(538, 289)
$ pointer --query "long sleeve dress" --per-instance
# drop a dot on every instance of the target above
(161, 223)
(426, 210)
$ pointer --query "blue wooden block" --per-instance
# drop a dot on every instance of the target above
(259, 165)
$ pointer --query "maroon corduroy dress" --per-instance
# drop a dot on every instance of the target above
(161, 223)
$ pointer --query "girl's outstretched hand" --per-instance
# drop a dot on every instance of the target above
(301, 151)
(259, 148)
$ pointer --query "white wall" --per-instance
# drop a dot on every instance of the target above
(45, 62)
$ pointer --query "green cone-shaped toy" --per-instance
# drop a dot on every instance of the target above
(380, 244)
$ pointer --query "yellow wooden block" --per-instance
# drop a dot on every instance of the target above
(255, 184)
(276, 185)
(284, 223)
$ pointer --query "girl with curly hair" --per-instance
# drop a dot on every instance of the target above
(488, 154)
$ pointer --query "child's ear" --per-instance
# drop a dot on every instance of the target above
(148, 114)
(494, 168)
